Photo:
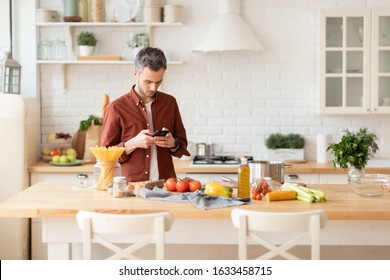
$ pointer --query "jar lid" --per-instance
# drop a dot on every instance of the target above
(119, 179)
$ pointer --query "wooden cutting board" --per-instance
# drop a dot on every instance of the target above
(99, 57)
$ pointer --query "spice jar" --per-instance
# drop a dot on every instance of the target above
(119, 188)
(104, 172)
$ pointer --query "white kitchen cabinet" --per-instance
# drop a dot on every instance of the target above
(354, 62)
(333, 179)
(301, 178)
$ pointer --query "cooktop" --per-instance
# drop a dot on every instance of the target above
(218, 160)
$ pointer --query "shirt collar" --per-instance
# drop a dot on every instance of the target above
(134, 96)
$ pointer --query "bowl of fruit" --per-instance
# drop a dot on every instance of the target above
(64, 156)
(59, 138)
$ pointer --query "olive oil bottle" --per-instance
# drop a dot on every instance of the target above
(244, 179)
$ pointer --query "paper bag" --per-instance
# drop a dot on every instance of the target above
(78, 143)
(92, 139)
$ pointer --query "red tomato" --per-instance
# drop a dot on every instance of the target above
(170, 184)
(195, 185)
(183, 186)
(259, 196)
(55, 152)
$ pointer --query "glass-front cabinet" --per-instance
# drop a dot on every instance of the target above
(381, 59)
(355, 63)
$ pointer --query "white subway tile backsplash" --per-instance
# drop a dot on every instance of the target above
(233, 99)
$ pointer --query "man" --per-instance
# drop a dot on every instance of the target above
(131, 120)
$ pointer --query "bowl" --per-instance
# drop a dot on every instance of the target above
(72, 19)
(371, 185)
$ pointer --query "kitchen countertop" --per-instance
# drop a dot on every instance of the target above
(51, 199)
(186, 166)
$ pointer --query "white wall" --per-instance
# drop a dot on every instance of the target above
(235, 100)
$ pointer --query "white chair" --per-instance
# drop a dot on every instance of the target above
(302, 224)
(101, 227)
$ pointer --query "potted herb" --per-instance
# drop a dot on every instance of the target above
(87, 43)
(354, 150)
(285, 147)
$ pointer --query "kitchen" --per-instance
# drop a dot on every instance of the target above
(232, 99)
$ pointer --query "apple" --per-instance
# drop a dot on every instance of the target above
(71, 158)
(63, 159)
(71, 151)
(46, 151)
(55, 159)
(52, 136)
(55, 152)
(64, 151)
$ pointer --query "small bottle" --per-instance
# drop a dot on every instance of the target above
(119, 188)
(244, 179)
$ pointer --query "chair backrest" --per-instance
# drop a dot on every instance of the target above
(101, 227)
(255, 223)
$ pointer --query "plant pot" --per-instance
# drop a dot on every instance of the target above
(86, 50)
(285, 154)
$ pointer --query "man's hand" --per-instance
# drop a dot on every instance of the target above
(166, 141)
(143, 140)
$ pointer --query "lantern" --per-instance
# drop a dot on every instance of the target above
(10, 71)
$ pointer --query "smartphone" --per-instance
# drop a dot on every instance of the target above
(160, 133)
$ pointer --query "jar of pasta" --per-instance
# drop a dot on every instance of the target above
(97, 10)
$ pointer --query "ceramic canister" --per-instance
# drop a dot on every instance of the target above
(45, 15)
(70, 8)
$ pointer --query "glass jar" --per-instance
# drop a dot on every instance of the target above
(104, 172)
(45, 50)
(83, 10)
(59, 50)
(119, 188)
(97, 10)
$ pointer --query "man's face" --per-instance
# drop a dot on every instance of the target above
(148, 82)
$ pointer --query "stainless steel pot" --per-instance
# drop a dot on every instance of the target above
(203, 149)
(273, 169)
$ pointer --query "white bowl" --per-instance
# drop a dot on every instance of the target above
(373, 185)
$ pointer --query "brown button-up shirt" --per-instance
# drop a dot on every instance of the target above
(126, 116)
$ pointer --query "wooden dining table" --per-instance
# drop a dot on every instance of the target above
(354, 219)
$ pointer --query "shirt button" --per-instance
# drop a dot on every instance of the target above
(147, 124)
(143, 109)
(147, 156)
(146, 172)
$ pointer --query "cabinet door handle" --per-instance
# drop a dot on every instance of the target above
(292, 176)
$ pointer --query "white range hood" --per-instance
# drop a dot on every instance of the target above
(229, 32)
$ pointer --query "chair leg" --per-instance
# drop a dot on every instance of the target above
(87, 240)
(159, 238)
(315, 238)
(242, 238)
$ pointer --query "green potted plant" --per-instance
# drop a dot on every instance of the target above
(354, 150)
(87, 42)
(285, 147)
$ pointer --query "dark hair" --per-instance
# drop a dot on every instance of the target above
(153, 58)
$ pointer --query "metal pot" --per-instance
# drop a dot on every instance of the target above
(273, 169)
(203, 149)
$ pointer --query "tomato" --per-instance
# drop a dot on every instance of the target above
(183, 186)
(55, 152)
(170, 184)
(259, 196)
(195, 185)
